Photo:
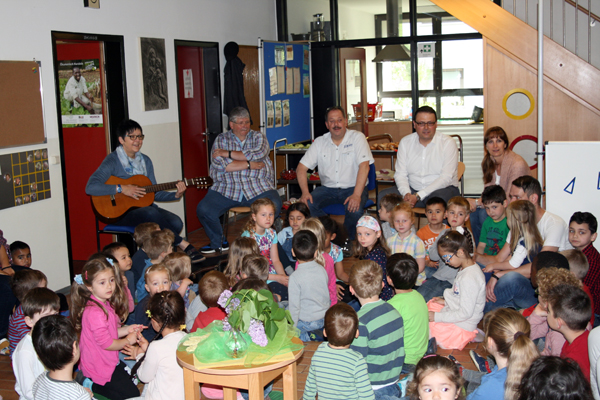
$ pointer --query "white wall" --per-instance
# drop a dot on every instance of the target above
(25, 31)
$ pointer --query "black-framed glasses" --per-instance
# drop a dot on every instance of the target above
(135, 137)
(428, 124)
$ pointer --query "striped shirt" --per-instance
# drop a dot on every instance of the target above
(337, 374)
(247, 183)
(381, 342)
(592, 279)
(46, 388)
(17, 328)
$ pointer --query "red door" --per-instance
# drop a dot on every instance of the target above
(84, 150)
(192, 117)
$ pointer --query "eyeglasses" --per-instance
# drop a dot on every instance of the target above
(429, 124)
(243, 122)
(135, 137)
(447, 257)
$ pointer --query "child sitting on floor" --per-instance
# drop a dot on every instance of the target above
(158, 246)
(351, 379)
(210, 287)
(453, 318)
(380, 330)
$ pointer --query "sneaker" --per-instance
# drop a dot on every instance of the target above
(225, 246)
(207, 250)
(4, 347)
(194, 254)
(432, 347)
(480, 362)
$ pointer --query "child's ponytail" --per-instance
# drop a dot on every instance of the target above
(452, 241)
(521, 220)
(510, 332)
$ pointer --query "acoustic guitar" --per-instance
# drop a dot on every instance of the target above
(115, 205)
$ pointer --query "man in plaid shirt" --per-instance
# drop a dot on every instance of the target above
(242, 173)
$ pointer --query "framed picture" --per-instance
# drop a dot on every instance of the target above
(154, 74)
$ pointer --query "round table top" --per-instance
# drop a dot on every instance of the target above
(186, 360)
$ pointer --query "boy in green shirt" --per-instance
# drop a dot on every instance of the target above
(402, 271)
(494, 229)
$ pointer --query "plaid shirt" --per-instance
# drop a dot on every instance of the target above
(247, 183)
(592, 279)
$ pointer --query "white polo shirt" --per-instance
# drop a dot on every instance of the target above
(338, 165)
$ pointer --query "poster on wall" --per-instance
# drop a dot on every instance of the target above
(305, 62)
(270, 114)
(305, 85)
(279, 55)
(277, 105)
(25, 178)
(286, 112)
(154, 74)
(80, 93)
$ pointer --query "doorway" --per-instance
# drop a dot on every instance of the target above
(199, 94)
(83, 146)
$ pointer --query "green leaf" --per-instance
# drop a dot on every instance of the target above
(234, 318)
(246, 316)
(271, 329)
(278, 314)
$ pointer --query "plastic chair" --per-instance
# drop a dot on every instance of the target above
(235, 211)
(340, 209)
(112, 229)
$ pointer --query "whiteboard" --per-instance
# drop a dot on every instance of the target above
(573, 179)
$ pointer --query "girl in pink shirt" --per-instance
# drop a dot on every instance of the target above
(98, 307)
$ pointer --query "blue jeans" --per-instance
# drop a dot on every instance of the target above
(389, 390)
(267, 389)
(165, 219)
(512, 290)
(306, 327)
(477, 219)
(325, 196)
(215, 204)
(445, 193)
(433, 287)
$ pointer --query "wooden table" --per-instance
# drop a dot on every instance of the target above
(232, 378)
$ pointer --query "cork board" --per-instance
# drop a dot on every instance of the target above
(21, 110)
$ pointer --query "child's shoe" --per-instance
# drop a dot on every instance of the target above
(480, 362)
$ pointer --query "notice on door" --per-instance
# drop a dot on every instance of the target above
(188, 84)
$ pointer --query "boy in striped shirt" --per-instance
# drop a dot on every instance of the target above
(380, 330)
(336, 371)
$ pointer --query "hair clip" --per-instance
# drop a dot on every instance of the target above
(78, 279)
(112, 264)
(148, 313)
(182, 327)
(460, 230)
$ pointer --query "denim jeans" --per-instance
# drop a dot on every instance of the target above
(477, 217)
(445, 193)
(387, 391)
(306, 327)
(215, 204)
(153, 213)
(512, 290)
(325, 196)
(433, 287)
(267, 390)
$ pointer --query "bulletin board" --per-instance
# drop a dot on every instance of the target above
(21, 109)
(573, 179)
(292, 119)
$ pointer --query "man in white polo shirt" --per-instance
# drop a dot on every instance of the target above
(343, 157)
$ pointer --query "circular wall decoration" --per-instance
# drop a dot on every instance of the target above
(518, 104)
(526, 147)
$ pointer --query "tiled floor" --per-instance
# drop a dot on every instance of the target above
(198, 239)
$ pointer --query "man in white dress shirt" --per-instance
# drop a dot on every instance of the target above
(427, 163)
(343, 157)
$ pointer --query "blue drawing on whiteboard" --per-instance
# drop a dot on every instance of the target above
(598, 180)
(569, 188)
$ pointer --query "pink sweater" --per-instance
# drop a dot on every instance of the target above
(539, 328)
(331, 277)
(98, 333)
(513, 166)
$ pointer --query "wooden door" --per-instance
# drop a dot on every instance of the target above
(84, 148)
(353, 84)
(249, 56)
(193, 126)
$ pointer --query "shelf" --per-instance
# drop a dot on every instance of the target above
(385, 152)
(279, 151)
(295, 182)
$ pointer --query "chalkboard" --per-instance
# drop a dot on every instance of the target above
(21, 110)
(299, 128)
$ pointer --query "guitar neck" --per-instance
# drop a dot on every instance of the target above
(163, 186)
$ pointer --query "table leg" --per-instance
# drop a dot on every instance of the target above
(256, 389)
(229, 393)
(191, 388)
(290, 383)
